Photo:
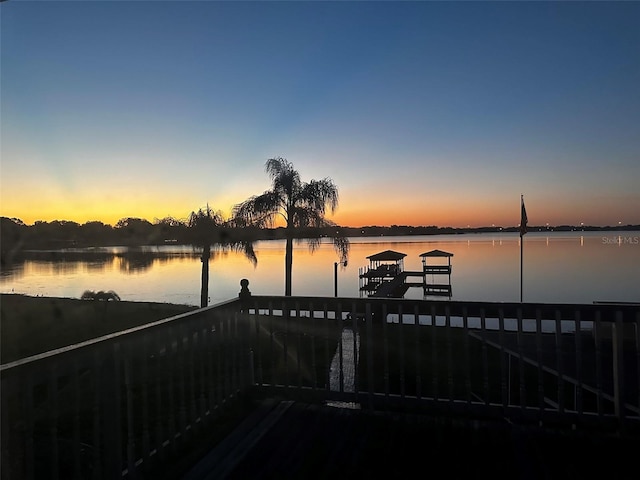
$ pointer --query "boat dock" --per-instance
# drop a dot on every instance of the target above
(386, 277)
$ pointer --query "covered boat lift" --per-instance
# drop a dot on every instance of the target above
(384, 276)
(436, 289)
(387, 263)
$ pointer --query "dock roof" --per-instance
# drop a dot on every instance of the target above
(387, 255)
(436, 253)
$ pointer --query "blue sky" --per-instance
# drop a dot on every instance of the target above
(421, 112)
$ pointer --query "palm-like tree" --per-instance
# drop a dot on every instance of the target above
(209, 229)
(300, 204)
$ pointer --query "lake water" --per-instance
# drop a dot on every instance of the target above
(559, 267)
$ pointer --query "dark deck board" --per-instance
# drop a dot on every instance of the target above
(297, 440)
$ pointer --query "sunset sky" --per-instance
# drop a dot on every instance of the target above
(423, 113)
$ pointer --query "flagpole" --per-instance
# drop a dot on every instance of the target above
(523, 226)
(521, 250)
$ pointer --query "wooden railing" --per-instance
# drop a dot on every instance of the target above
(569, 364)
(121, 405)
(118, 405)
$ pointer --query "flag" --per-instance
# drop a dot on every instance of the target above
(523, 218)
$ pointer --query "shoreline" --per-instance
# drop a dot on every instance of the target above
(25, 241)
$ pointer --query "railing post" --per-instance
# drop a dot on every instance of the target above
(466, 346)
(578, 362)
(181, 353)
(485, 357)
(146, 438)
(245, 294)
(369, 335)
(298, 335)
(505, 373)
(559, 363)
(75, 369)
(314, 364)
(449, 346)
(539, 358)
(161, 351)
(130, 420)
(339, 328)
(96, 413)
(53, 426)
(110, 408)
(245, 301)
(521, 365)
(637, 347)
(385, 336)
(7, 456)
(356, 352)
(326, 334)
(416, 318)
(597, 333)
(617, 335)
(401, 355)
(435, 372)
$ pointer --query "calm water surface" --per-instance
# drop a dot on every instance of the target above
(566, 267)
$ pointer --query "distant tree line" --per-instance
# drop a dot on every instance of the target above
(16, 236)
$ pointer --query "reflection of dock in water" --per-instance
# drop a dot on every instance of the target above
(386, 277)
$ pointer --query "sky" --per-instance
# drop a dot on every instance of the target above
(422, 113)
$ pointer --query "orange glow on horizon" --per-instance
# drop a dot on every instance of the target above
(344, 218)
(452, 212)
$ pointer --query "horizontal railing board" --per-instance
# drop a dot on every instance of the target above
(113, 336)
(566, 311)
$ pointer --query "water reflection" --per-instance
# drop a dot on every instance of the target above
(561, 267)
(95, 267)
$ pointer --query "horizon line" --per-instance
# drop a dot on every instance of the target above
(397, 226)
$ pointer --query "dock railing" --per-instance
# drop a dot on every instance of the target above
(567, 364)
(116, 406)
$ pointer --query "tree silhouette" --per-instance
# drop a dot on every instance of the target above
(136, 230)
(300, 204)
(170, 228)
(209, 229)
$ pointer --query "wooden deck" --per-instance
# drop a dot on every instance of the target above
(208, 394)
(285, 439)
